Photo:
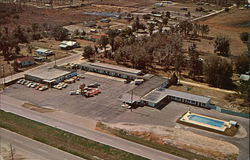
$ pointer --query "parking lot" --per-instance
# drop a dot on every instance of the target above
(104, 106)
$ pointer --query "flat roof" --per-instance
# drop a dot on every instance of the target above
(150, 84)
(48, 73)
(157, 95)
(111, 67)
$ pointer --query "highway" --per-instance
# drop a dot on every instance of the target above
(37, 150)
(67, 123)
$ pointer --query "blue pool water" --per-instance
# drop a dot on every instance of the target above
(206, 120)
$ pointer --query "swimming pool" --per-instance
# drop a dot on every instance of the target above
(206, 120)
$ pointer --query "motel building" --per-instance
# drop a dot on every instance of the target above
(112, 70)
(50, 76)
(162, 96)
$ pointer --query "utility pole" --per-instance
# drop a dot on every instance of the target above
(12, 152)
(55, 59)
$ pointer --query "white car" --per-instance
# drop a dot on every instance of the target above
(29, 84)
(43, 88)
(72, 93)
(19, 81)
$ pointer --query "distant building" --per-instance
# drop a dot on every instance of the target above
(66, 45)
(244, 78)
(25, 61)
(90, 24)
(44, 52)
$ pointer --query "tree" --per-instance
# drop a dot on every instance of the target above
(88, 52)
(103, 42)
(242, 63)
(19, 34)
(204, 29)
(174, 79)
(244, 90)
(165, 21)
(195, 65)
(29, 48)
(146, 16)
(218, 71)
(222, 45)
(244, 36)
(60, 33)
(112, 33)
(185, 27)
(151, 27)
(168, 14)
(160, 26)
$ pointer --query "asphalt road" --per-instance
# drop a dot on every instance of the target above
(14, 105)
(38, 150)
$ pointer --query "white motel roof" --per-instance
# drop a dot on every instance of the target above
(157, 95)
(111, 67)
(48, 73)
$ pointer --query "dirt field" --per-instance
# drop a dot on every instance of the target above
(128, 3)
(179, 138)
(64, 16)
(227, 24)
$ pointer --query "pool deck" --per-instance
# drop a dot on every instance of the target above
(185, 118)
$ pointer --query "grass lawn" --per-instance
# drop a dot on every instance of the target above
(60, 139)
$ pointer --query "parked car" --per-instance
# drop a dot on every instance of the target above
(95, 91)
(19, 81)
(97, 84)
(81, 76)
(26, 83)
(39, 86)
(34, 85)
(72, 93)
(43, 88)
(29, 84)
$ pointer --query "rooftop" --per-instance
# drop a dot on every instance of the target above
(150, 84)
(111, 67)
(157, 95)
(42, 50)
(244, 77)
(23, 59)
(48, 74)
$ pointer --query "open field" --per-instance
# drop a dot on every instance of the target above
(172, 140)
(228, 24)
(128, 3)
(74, 144)
(50, 16)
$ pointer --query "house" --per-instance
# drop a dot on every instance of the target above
(44, 52)
(90, 24)
(104, 20)
(25, 61)
(244, 78)
(69, 45)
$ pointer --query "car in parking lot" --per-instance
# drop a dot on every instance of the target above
(39, 86)
(80, 76)
(20, 81)
(43, 88)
